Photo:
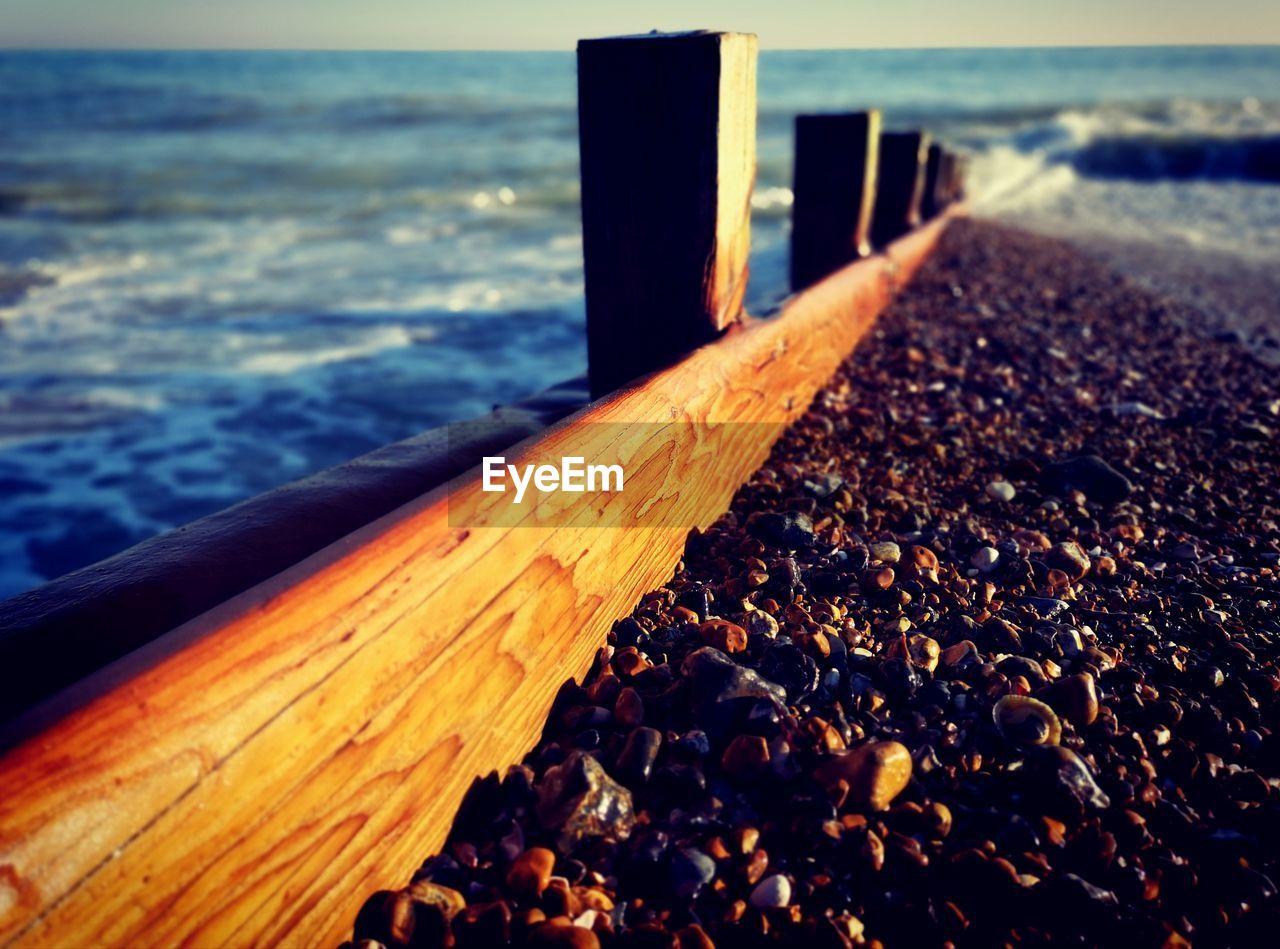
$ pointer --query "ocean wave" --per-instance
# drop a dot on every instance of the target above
(1160, 156)
(1178, 139)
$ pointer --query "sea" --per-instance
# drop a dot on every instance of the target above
(221, 271)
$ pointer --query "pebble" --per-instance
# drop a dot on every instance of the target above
(759, 623)
(773, 892)
(790, 530)
(530, 873)
(691, 870)
(1070, 558)
(985, 559)
(1088, 474)
(1001, 491)
(876, 773)
(886, 552)
(723, 635)
(635, 760)
(579, 800)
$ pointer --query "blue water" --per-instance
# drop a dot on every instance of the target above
(222, 271)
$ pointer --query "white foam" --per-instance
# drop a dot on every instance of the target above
(285, 362)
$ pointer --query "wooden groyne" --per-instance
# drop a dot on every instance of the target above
(232, 776)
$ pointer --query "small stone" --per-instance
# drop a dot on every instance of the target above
(635, 761)
(448, 901)
(746, 756)
(985, 559)
(530, 873)
(1001, 491)
(920, 650)
(1088, 474)
(628, 709)
(760, 623)
(1070, 558)
(886, 551)
(790, 530)
(1068, 642)
(1061, 771)
(823, 485)
(1045, 607)
(715, 678)
(876, 773)
(578, 799)
(562, 933)
(961, 653)
(773, 892)
(791, 668)
(723, 635)
(691, 870)
(1075, 698)
(1134, 408)
(880, 579)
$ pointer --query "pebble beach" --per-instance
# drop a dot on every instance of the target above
(986, 654)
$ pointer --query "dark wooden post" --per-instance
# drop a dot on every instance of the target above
(934, 183)
(667, 130)
(902, 165)
(835, 189)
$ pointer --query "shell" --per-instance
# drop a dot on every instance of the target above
(1026, 721)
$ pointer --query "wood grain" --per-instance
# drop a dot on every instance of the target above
(312, 738)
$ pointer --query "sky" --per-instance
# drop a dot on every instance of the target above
(557, 24)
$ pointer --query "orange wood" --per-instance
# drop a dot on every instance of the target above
(312, 738)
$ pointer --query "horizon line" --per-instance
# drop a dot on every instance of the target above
(10, 48)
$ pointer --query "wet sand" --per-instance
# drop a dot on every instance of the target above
(986, 654)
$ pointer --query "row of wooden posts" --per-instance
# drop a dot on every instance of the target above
(667, 125)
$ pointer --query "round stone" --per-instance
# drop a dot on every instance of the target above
(985, 558)
(531, 872)
(773, 892)
(886, 552)
(1001, 491)
(876, 773)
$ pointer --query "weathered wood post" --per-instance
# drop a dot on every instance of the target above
(934, 199)
(667, 131)
(902, 166)
(834, 183)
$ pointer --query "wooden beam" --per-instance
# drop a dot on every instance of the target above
(308, 742)
(834, 184)
(667, 126)
(901, 185)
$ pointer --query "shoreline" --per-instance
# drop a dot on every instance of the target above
(1025, 545)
